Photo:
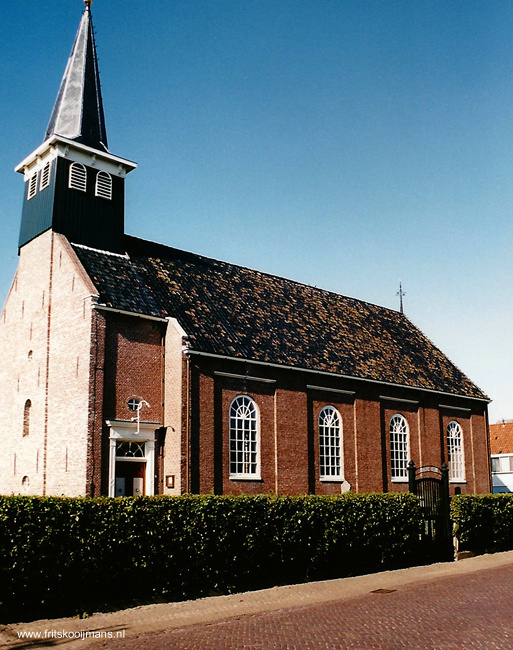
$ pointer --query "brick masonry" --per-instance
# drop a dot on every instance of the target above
(45, 326)
(79, 364)
(289, 403)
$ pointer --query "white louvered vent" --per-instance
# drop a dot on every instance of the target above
(32, 186)
(104, 185)
(45, 177)
(77, 177)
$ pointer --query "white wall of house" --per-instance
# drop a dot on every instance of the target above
(502, 473)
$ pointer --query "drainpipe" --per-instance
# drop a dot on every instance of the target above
(188, 427)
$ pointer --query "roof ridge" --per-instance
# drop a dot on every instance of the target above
(99, 250)
(267, 274)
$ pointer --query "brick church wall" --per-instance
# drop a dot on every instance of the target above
(481, 453)
(133, 367)
(291, 435)
(289, 407)
(98, 448)
(83, 370)
(367, 446)
(23, 329)
(45, 325)
(69, 376)
(175, 398)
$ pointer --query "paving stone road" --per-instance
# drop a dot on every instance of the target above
(453, 606)
(457, 613)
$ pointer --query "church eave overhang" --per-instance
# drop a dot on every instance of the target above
(134, 314)
(57, 145)
(377, 382)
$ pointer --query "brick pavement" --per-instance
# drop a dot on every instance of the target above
(455, 606)
(454, 613)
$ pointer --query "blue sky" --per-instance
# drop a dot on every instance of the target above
(347, 144)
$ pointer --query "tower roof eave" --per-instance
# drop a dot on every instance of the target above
(62, 146)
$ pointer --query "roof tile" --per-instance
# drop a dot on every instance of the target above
(231, 310)
(501, 438)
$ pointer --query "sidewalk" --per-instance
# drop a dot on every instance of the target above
(131, 623)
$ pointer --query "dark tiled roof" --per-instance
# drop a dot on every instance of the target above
(230, 310)
(501, 438)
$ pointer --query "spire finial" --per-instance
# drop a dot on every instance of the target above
(401, 295)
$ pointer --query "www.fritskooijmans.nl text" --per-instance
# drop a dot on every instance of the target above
(71, 634)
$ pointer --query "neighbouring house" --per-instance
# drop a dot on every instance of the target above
(501, 449)
(131, 367)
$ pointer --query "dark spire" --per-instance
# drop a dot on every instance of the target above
(78, 111)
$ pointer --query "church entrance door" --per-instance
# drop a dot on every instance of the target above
(130, 477)
(131, 458)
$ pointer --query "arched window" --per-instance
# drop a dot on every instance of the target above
(244, 438)
(130, 449)
(399, 447)
(455, 452)
(77, 177)
(26, 417)
(330, 443)
(104, 185)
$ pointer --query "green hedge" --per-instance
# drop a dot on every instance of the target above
(63, 556)
(483, 523)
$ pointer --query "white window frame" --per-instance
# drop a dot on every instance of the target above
(133, 403)
(32, 186)
(244, 439)
(124, 431)
(128, 450)
(103, 187)
(455, 454)
(399, 436)
(331, 465)
(77, 177)
(45, 177)
(504, 462)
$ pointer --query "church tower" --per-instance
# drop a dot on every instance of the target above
(73, 184)
(50, 328)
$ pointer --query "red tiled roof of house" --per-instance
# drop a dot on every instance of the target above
(501, 438)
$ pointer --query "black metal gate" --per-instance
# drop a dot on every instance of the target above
(431, 485)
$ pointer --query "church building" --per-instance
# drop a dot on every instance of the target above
(133, 368)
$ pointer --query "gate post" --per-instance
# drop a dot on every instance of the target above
(412, 485)
(445, 502)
